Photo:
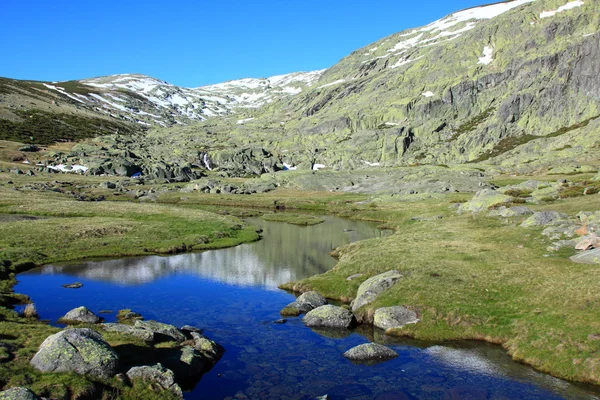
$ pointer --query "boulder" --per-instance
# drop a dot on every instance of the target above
(145, 335)
(373, 287)
(156, 375)
(186, 362)
(394, 317)
(313, 299)
(294, 309)
(483, 200)
(187, 330)
(329, 316)
(508, 212)
(82, 351)
(208, 348)
(168, 332)
(587, 257)
(547, 193)
(544, 218)
(80, 315)
(75, 285)
(370, 352)
(588, 242)
(18, 393)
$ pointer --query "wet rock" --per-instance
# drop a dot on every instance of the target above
(160, 330)
(373, 287)
(329, 316)
(156, 375)
(483, 200)
(80, 315)
(370, 352)
(394, 317)
(18, 393)
(75, 285)
(143, 334)
(82, 351)
(313, 299)
(544, 218)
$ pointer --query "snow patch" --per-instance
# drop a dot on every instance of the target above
(332, 83)
(370, 164)
(404, 61)
(427, 94)
(243, 121)
(487, 56)
(64, 168)
(289, 167)
(568, 6)
(392, 124)
(317, 167)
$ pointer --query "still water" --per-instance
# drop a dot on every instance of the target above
(232, 294)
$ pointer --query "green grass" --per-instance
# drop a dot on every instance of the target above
(293, 219)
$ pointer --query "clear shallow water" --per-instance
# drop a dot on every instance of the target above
(232, 294)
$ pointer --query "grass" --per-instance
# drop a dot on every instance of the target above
(293, 219)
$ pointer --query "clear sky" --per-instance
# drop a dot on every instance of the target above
(194, 43)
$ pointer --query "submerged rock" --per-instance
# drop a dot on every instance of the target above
(370, 352)
(186, 362)
(80, 315)
(75, 285)
(156, 374)
(329, 316)
(18, 393)
(82, 351)
(394, 317)
(373, 287)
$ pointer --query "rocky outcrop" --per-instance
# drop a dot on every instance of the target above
(80, 315)
(483, 200)
(145, 335)
(394, 317)
(544, 218)
(587, 257)
(509, 212)
(329, 316)
(371, 288)
(370, 352)
(18, 393)
(162, 332)
(82, 351)
(156, 375)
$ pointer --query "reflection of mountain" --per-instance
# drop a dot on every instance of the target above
(286, 253)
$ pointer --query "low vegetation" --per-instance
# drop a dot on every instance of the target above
(293, 219)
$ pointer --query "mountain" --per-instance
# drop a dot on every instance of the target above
(513, 85)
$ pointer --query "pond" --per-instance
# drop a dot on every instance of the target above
(232, 294)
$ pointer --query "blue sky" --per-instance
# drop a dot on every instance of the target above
(194, 43)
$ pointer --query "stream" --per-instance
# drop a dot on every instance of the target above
(232, 295)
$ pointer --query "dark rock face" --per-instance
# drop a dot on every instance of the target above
(82, 351)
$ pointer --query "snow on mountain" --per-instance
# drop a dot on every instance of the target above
(150, 101)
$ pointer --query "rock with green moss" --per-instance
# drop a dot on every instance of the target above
(210, 349)
(156, 375)
(547, 193)
(371, 288)
(483, 200)
(370, 352)
(159, 329)
(329, 316)
(82, 351)
(544, 218)
(80, 315)
(294, 309)
(18, 393)
(394, 317)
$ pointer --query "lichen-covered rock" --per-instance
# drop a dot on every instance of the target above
(313, 299)
(370, 352)
(168, 332)
(394, 317)
(483, 200)
(544, 218)
(547, 193)
(82, 351)
(18, 393)
(145, 335)
(211, 350)
(508, 212)
(294, 309)
(587, 257)
(329, 316)
(371, 288)
(80, 315)
(156, 374)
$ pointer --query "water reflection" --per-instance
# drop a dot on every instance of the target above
(287, 253)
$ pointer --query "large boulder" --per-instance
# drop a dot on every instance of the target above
(160, 330)
(370, 352)
(394, 317)
(314, 299)
(544, 218)
(587, 257)
(483, 200)
(373, 287)
(18, 393)
(82, 351)
(145, 335)
(156, 375)
(329, 316)
(80, 315)
(508, 212)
